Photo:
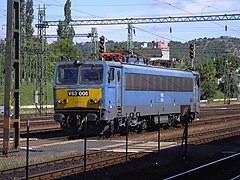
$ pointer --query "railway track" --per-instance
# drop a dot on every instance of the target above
(44, 124)
(207, 136)
(36, 131)
(208, 121)
(41, 124)
(224, 168)
(34, 122)
(65, 167)
(70, 165)
(107, 158)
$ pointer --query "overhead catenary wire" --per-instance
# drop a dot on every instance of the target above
(175, 30)
(169, 4)
(164, 37)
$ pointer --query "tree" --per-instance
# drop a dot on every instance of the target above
(65, 30)
(27, 42)
(225, 62)
(29, 18)
(229, 85)
(119, 47)
(2, 60)
(63, 48)
(67, 11)
(22, 10)
(183, 63)
(208, 80)
(228, 67)
(60, 49)
(61, 30)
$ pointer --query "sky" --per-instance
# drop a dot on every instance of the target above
(102, 9)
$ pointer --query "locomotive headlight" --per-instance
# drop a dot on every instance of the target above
(59, 101)
(62, 101)
(95, 101)
(91, 101)
(65, 101)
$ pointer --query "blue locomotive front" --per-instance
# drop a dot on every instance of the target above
(107, 94)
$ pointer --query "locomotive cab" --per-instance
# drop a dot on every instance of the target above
(78, 92)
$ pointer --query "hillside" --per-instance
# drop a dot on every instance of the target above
(206, 48)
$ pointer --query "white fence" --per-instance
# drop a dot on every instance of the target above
(218, 100)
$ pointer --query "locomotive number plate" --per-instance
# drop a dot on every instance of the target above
(78, 93)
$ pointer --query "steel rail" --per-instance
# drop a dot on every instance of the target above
(102, 159)
(43, 164)
(203, 166)
(222, 119)
(79, 168)
(34, 131)
(220, 134)
(101, 163)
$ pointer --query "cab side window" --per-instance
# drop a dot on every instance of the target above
(110, 75)
(118, 76)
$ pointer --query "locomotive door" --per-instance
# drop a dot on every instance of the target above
(118, 93)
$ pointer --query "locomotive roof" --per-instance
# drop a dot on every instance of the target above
(127, 65)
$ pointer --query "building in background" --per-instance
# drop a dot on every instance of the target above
(158, 52)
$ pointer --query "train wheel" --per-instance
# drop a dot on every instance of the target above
(192, 117)
(170, 121)
(110, 130)
(144, 124)
(116, 126)
(138, 129)
(122, 130)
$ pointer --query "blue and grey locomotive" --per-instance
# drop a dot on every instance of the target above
(107, 94)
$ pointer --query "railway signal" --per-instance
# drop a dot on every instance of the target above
(192, 50)
(102, 44)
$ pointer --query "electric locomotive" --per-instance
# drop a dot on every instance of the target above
(108, 96)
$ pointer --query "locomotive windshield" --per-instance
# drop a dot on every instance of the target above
(67, 75)
(91, 74)
(84, 74)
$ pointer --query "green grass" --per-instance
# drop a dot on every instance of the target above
(35, 160)
(218, 95)
(27, 94)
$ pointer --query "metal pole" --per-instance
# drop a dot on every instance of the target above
(16, 66)
(158, 132)
(193, 54)
(158, 137)
(130, 39)
(8, 65)
(186, 119)
(126, 124)
(41, 64)
(27, 155)
(94, 38)
(186, 138)
(85, 149)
